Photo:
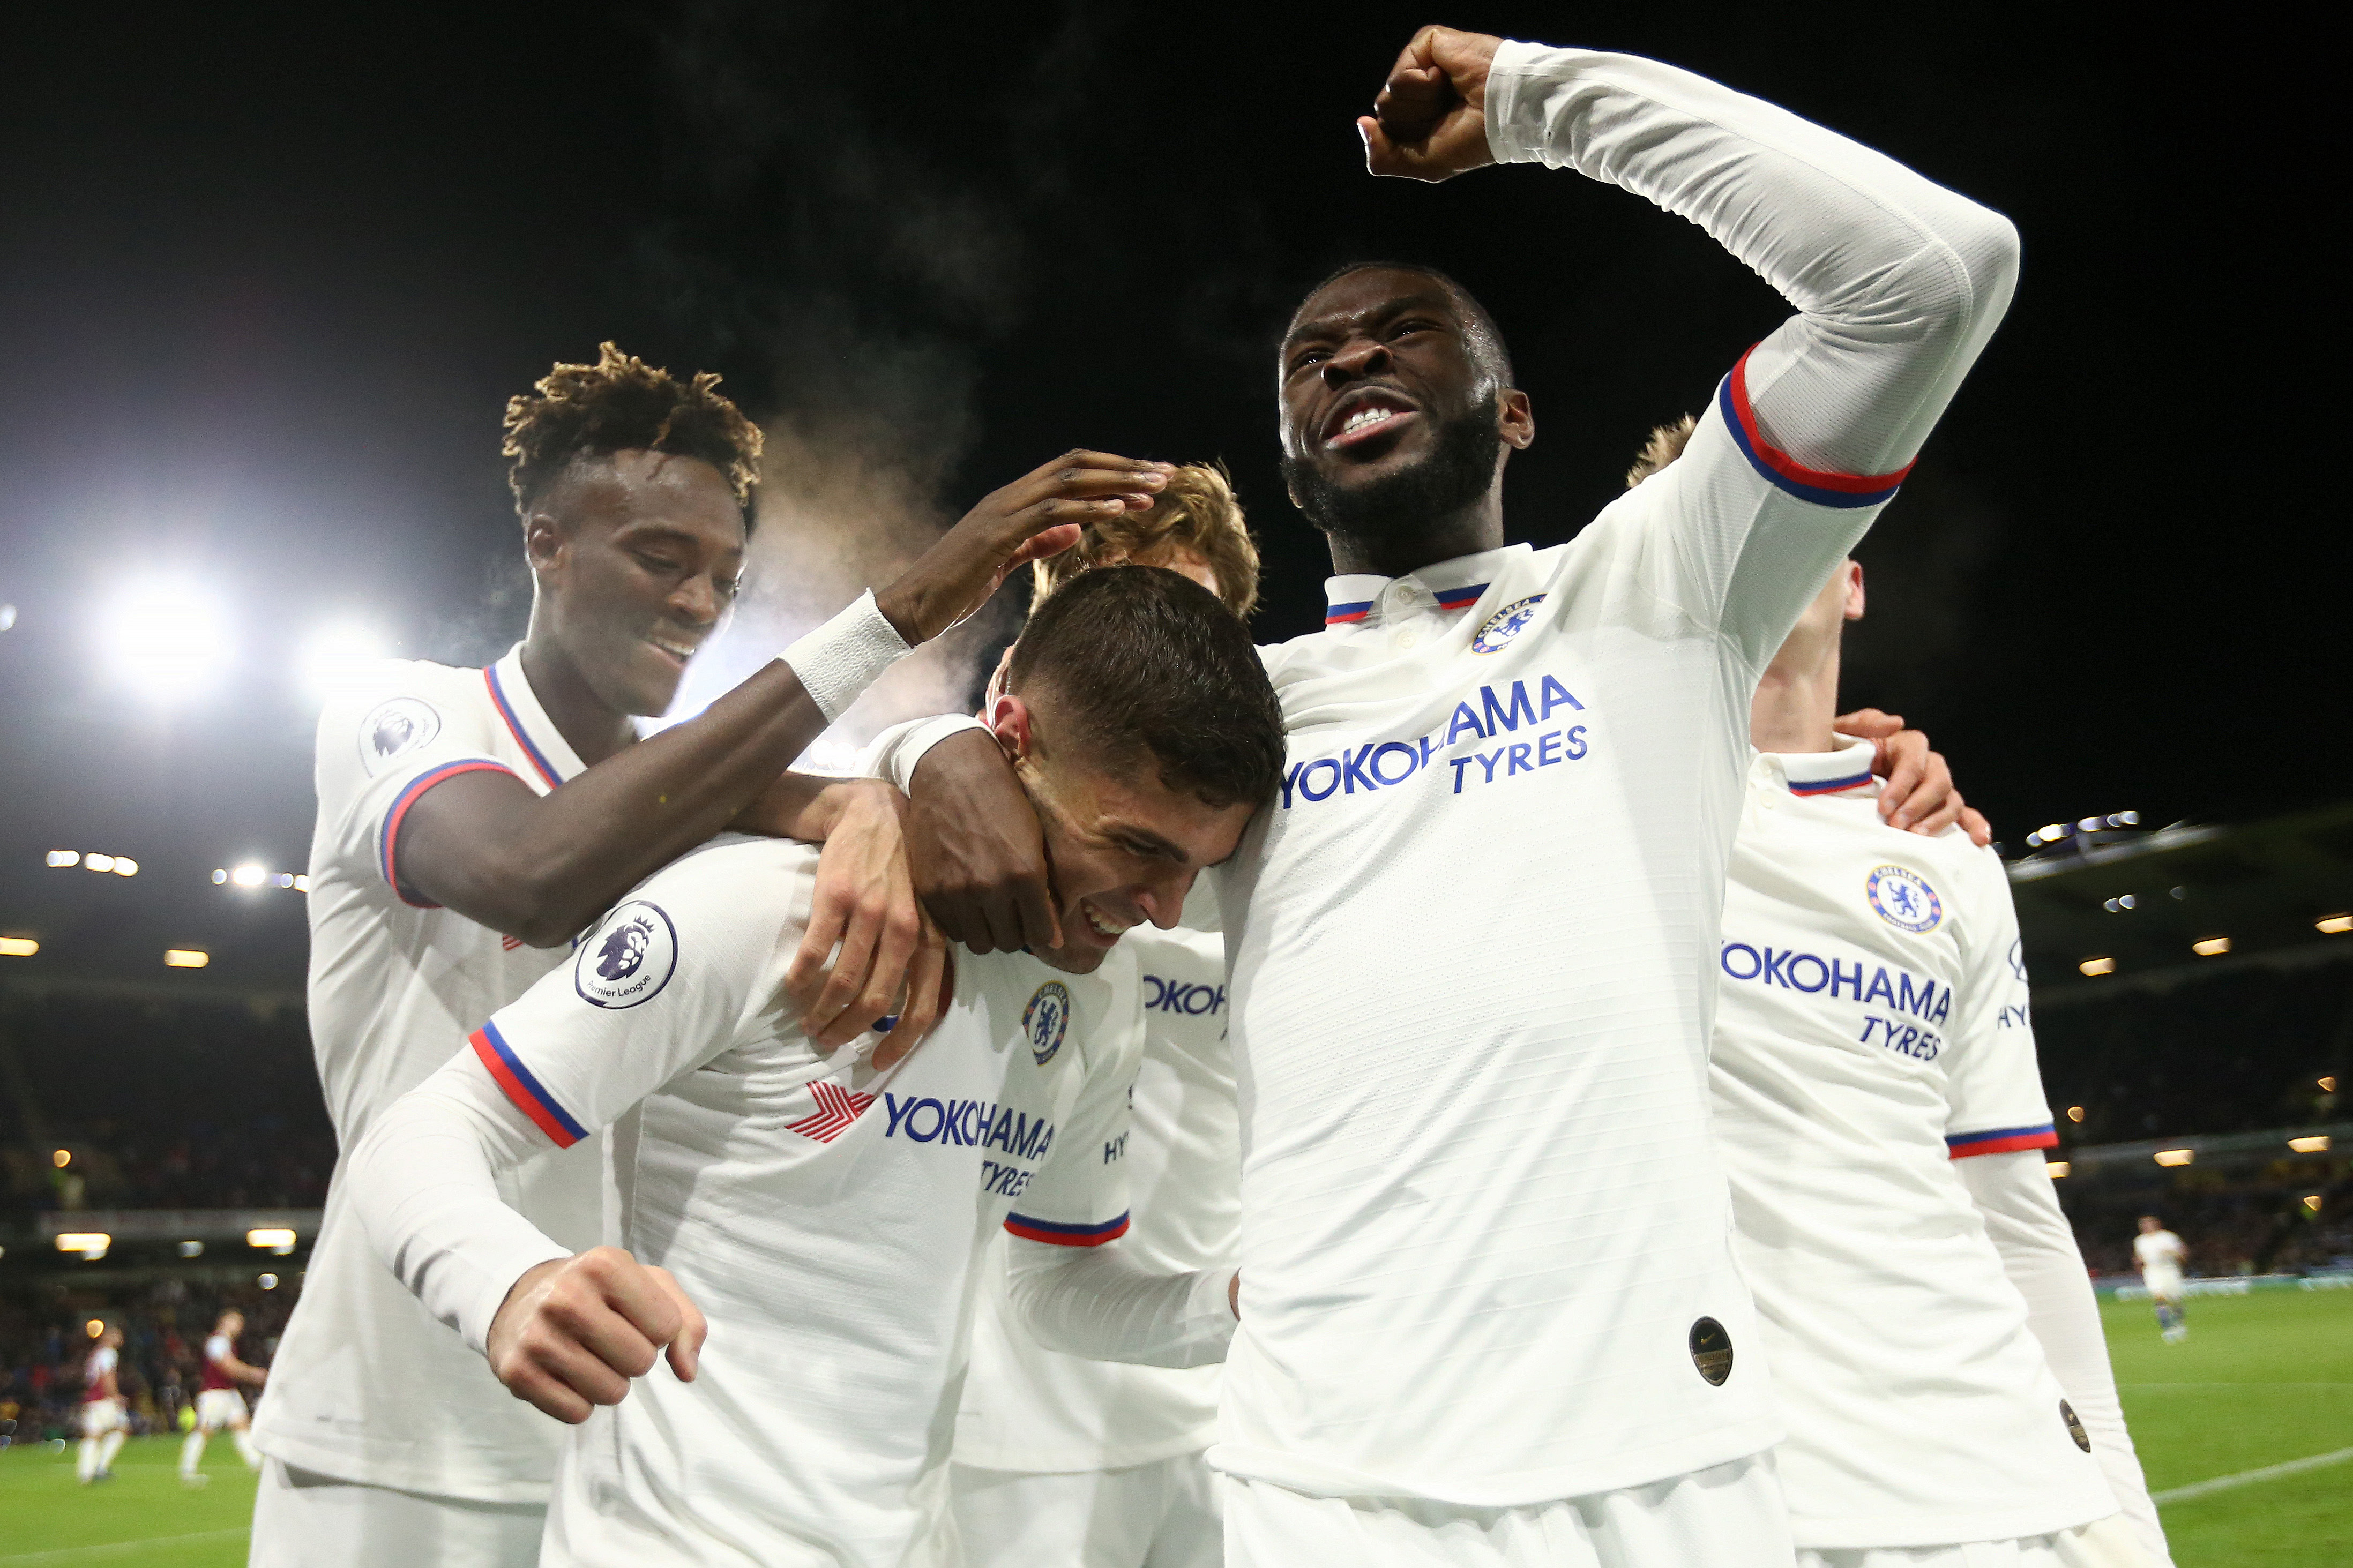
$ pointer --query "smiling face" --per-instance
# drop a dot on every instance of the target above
(1122, 847)
(636, 559)
(1394, 404)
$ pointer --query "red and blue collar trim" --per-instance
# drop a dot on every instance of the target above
(2001, 1141)
(1059, 1234)
(1831, 786)
(1350, 612)
(1347, 615)
(1460, 598)
(528, 1095)
(1820, 486)
(514, 727)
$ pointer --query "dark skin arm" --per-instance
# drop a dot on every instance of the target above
(975, 846)
(542, 867)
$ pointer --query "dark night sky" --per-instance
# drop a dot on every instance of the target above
(267, 275)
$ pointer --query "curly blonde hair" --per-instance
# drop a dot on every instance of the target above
(621, 403)
(1666, 444)
(1196, 514)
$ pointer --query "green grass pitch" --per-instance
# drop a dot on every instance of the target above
(2262, 1379)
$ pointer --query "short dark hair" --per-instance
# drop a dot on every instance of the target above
(1487, 337)
(1143, 658)
(621, 403)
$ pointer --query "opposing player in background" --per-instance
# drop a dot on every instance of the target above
(1488, 1305)
(2159, 1254)
(830, 1216)
(104, 1421)
(471, 821)
(219, 1405)
(1096, 1464)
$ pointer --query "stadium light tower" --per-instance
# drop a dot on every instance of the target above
(167, 640)
(336, 655)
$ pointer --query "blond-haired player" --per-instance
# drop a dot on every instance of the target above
(103, 1423)
(218, 1403)
(1063, 1459)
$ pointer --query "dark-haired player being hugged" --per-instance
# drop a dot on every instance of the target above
(827, 1214)
(1490, 1310)
(471, 821)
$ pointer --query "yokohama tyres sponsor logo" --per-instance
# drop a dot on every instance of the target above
(1486, 715)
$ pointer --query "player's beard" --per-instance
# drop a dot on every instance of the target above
(1458, 470)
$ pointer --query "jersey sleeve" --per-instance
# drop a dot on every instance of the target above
(386, 741)
(1994, 1096)
(1080, 1195)
(1897, 284)
(665, 982)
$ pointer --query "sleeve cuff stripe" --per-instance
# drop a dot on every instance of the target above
(1062, 1235)
(2001, 1141)
(387, 838)
(1817, 485)
(523, 1089)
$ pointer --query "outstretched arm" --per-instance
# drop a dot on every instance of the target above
(541, 866)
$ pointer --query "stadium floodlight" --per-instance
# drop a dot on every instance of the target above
(65, 858)
(186, 958)
(248, 875)
(2098, 966)
(2056, 1168)
(281, 1242)
(2175, 1156)
(336, 656)
(94, 1327)
(2212, 947)
(191, 1249)
(2333, 925)
(61, 1158)
(2327, 1085)
(2074, 1113)
(2054, 832)
(267, 1282)
(302, 882)
(19, 947)
(2312, 1202)
(2316, 1144)
(167, 641)
(98, 862)
(90, 1244)
(2091, 825)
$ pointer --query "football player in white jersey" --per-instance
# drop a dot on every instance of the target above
(104, 1424)
(1096, 1464)
(1920, 1296)
(828, 1216)
(471, 821)
(1489, 1305)
(2159, 1252)
(219, 1406)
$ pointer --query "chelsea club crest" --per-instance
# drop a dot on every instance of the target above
(1506, 624)
(1047, 1019)
(1905, 899)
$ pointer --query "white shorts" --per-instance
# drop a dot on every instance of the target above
(2105, 1543)
(219, 1408)
(100, 1416)
(302, 1518)
(1163, 1514)
(2165, 1284)
(1729, 1516)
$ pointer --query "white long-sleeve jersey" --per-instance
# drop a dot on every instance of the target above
(1935, 1346)
(1485, 1249)
(828, 1218)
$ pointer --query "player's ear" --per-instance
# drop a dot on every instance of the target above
(1854, 590)
(544, 541)
(1013, 723)
(1515, 418)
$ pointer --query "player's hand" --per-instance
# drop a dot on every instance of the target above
(865, 907)
(1429, 122)
(573, 1331)
(979, 855)
(1038, 515)
(1918, 794)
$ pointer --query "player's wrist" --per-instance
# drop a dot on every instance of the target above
(841, 659)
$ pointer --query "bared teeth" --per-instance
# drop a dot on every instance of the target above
(1363, 419)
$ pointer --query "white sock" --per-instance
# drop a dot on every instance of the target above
(110, 1446)
(86, 1459)
(245, 1449)
(192, 1449)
